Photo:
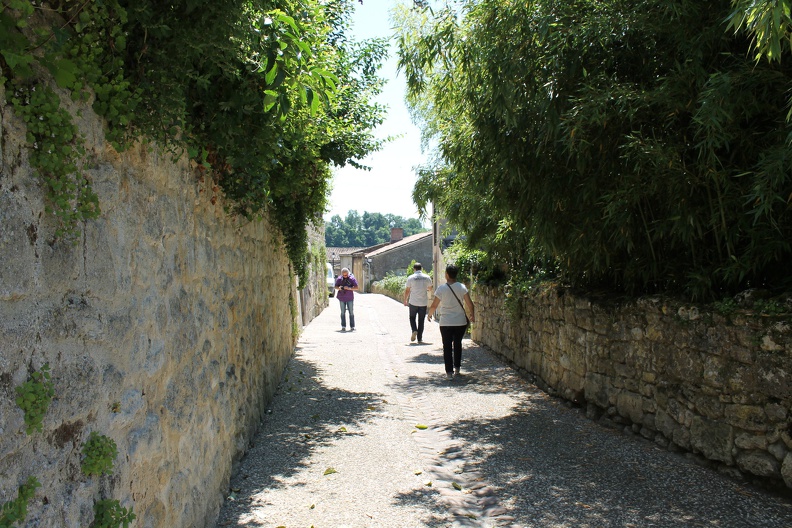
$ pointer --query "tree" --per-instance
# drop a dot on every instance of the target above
(262, 94)
(366, 230)
(631, 145)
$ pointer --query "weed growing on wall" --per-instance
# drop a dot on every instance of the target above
(98, 452)
(15, 511)
(110, 514)
(34, 397)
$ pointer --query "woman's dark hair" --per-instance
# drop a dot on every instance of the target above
(452, 271)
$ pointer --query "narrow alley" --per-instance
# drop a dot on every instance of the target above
(366, 431)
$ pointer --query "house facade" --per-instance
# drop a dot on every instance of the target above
(397, 256)
(373, 263)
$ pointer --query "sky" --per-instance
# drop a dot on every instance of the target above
(387, 187)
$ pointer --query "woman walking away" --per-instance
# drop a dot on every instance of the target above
(454, 322)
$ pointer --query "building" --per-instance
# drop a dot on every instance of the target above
(396, 256)
(373, 263)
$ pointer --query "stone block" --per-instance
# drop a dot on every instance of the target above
(778, 449)
(708, 406)
(630, 405)
(786, 470)
(758, 463)
(624, 371)
(774, 378)
(595, 389)
(712, 439)
(715, 371)
(776, 413)
(748, 417)
(750, 441)
(665, 423)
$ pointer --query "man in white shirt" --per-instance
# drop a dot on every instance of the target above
(416, 296)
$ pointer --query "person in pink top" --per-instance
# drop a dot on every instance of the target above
(346, 284)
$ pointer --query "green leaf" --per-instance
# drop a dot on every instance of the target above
(19, 62)
(330, 471)
(270, 76)
(65, 72)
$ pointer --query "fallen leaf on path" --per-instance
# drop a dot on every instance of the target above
(342, 429)
(313, 506)
(456, 486)
(421, 426)
(330, 471)
(417, 471)
(428, 483)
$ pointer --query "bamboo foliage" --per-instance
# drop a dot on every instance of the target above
(635, 145)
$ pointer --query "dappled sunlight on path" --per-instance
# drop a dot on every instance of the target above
(365, 431)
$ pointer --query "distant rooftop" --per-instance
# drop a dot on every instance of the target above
(403, 242)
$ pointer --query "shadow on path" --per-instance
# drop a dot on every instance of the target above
(508, 446)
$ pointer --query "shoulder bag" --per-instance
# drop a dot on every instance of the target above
(467, 321)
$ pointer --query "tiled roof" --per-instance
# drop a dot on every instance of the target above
(403, 242)
(343, 251)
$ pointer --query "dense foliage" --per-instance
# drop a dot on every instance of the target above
(636, 146)
(263, 94)
(768, 21)
(367, 230)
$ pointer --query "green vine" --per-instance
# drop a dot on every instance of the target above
(34, 397)
(262, 94)
(110, 514)
(16, 510)
(98, 452)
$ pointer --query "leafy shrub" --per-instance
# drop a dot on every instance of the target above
(99, 451)
(34, 397)
(393, 283)
(110, 514)
(16, 510)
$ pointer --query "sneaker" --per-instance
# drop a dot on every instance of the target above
(456, 372)
(449, 375)
(352, 329)
(414, 335)
(343, 329)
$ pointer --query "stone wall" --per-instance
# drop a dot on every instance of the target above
(716, 385)
(163, 328)
(313, 298)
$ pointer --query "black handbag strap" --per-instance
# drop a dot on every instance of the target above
(460, 304)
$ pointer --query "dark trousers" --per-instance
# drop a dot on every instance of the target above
(452, 346)
(419, 313)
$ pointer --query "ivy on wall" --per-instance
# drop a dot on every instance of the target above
(263, 94)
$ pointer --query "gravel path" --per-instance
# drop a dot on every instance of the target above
(340, 447)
